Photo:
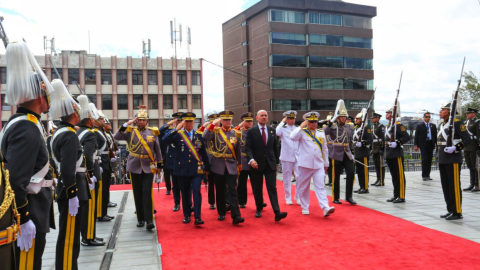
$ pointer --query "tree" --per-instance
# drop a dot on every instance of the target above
(470, 93)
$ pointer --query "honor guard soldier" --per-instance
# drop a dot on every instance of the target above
(245, 173)
(362, 151)
(394, 155)
(341, 136)
(191, 164)
(226, 163)
(471, 148)
(114, 148)
(313, 163)
(289, 152)
(86, 170)
(67, 155)
(143, 162)
(378, 146)
(450, 161)
(23, 145)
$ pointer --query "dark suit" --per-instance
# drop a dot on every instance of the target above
(426, 146)
(267, 158)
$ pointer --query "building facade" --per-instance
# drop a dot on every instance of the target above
(119, 85)
(301, 55)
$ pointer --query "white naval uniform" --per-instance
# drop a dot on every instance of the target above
(311, 164)
(288, 156)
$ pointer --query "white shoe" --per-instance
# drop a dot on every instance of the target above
(327, 211)
(289, 202)
(305, 212)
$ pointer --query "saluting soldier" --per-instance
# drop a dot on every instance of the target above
(378, 146)
(144, 161)
(24, 148)
(191, 163)
(471, 148)
(209, 144)
(226, 163)
(245, 173)
(450, 161)
(289, 152)
(313, 163)
(362, 151)
(394, 155)
(67, 153)
(341, 136)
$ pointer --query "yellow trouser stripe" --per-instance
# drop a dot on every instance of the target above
(68, 248)
(99, 200)
(333, 179)
(456, 179)
(91, 215)
(365, 170)
(401, 178)
(27, 258)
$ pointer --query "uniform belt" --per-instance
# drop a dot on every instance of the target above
(377, 140)
(244, 154)
(104, 152)
(81, 169)
(442, 143)
(8, 235)
(139, 156)
(218, 155)
(96, 157)
(342, 144)
(47, 183)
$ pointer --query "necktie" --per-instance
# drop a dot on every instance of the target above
(428, 133)
(264, 136)
(189, 135)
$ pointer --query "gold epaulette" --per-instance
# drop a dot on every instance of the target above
(95, 129)
(456, 120)
(154, 130)
(71, 129)
(199, 132)
(238, 133)
(32, 118)
(129, 129)
(398, 123)
(216, 129)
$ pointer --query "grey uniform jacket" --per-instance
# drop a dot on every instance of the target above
(222, 155)
(341, 139)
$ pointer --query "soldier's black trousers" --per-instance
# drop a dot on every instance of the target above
(33, 258)
(337, 168)
(242, 187)
(68, 241)
(7, 253)
(427, 155)
(379, 168)
(191, 185)
(211, 188)
(88, 216)
(329, 171)
(167, 174)
(471, 160)
(395, 165)
(142, 195)
(452, 190)
(106, 179)
(362, 172)
(229, 182)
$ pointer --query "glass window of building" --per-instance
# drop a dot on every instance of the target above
(122, 101)
(107, 102)
(358, 63)
(322, 18)
(280, 60)
(196, 101)
(357, 22)
(326, 61)
(287, 16)
(153, 102)
(181, 77)
(90, 76)
(182, 102)
(323, 104)
(325, 40)
(54, 74)
(122, 77)
(288, 83)
(5, 106)
(152, 77)
(152, 122)
(137, 77)
(196, 80)
(357, 42)
(137, 101)
(289, 104)
(167, 77)
(326, 83)
(288, 38)
(106, 76)
(359, 84)
(73, 76)
(167, 102)
(92, 99)
(3, 75)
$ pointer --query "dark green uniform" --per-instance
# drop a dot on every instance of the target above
(362, 154)
(378, 148)
(394, 158)
(8, 227)
(470, 152)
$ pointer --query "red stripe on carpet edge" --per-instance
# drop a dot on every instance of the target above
(354, 237)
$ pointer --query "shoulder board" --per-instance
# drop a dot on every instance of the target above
(463, 128)
(321, 130)
(32, 118)
(216, 129)
(456, 120)
(91, 130)
(129, 129)
(238, 133)
(95, 129)
(398, 123)
(155, 131)
(199, 132)
(369, 130)
(181, 131)
(72, 129)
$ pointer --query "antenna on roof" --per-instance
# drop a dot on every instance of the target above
(173, 34)
(146, 48)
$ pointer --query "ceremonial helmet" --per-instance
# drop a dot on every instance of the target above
(61, 101)
(329, 116)
(142, 113)
(85, 112)
(361, 113)
(341, 110)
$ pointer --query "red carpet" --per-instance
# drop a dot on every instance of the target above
(354, 237)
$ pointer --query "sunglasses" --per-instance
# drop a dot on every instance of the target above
(426, 117)
(312, 121)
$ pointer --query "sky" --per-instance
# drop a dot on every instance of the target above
(425, 39)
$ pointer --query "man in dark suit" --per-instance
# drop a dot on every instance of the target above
(425, 140)
(263, 157)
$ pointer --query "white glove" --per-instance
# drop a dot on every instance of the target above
(101, 170)
(94, 179)
(450, 149)
(99, 161)
(29, 231)
(358, 144)
(392, 144)
(113, 159)
(125, 125)
(56, 181)
(117, 152)
(73, 205)
(91, 186)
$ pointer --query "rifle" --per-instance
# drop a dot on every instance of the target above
(393, 120)
(453, 111)
(365, 115)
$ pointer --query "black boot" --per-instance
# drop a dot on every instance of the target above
(376, 183)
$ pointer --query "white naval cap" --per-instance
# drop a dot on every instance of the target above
(291, 114)
(311, 116)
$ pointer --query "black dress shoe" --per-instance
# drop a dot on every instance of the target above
(105, 218)
(140, 223)
(150, 225)
(242, 205)
(258, 214)
(168, 192)
(227, 207)
(429, 178)
(294, 180)
(212, 206)
(176, 208)
(358, 190)
(424, 178)
(391, 199)
(337, 202)
(475, 189)
(376, 183)
(112, 217)
(363, 191)
(198, 221)
(154, 211)
(280, 215)
(221, 218)
(186, 220)
(445, 215)
(351, 201)
(99, 239)
(328, 184)
(454, 216)
(111, 204)
(264, 205)
(93, 243)
(238, 220)
(398, 200)
(468, 188)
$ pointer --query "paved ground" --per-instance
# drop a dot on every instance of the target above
(136, 249)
